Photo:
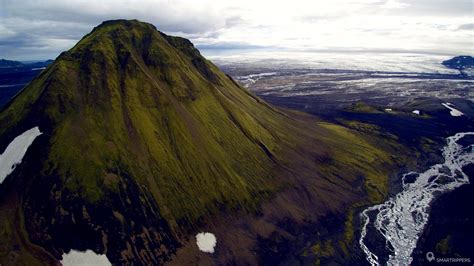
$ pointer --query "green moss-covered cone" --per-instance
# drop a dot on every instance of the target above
(145, 140)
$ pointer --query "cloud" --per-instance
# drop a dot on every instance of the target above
(178, 16)
(469, 26)
(56, 25)
(394, 4)
(438, 8)
(230, 46)
(234, 21)
(31, 29)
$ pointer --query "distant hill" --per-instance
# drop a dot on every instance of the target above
(40, 64)
(463, 63)
(14, 75)
(9, 63)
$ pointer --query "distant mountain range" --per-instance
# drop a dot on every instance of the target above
(9, 64)
(14, 75)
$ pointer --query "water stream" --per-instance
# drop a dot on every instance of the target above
(401, 219)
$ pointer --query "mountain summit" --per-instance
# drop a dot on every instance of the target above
(145, 141)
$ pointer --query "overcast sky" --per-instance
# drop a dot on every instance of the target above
(31, 30)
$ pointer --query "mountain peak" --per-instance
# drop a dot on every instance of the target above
(116, 42)
(115, 24)
(125, 22)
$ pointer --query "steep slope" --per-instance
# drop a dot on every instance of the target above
(144, 141)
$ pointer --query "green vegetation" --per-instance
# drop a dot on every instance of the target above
(359, 158)
(362, 107)
(137, 103)
(162, 122)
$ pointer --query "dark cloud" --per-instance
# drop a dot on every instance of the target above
(42, 25)
(173, 16)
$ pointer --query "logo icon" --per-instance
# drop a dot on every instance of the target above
(430, 256)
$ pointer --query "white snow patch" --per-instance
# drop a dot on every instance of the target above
(206, 242)
(453, 111)
(87, 258)
(15, 151)
(388, 109)
(416, 112)
(38, 68)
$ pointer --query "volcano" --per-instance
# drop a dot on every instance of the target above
(145, 143)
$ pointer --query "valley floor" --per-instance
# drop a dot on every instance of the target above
(378, 103)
